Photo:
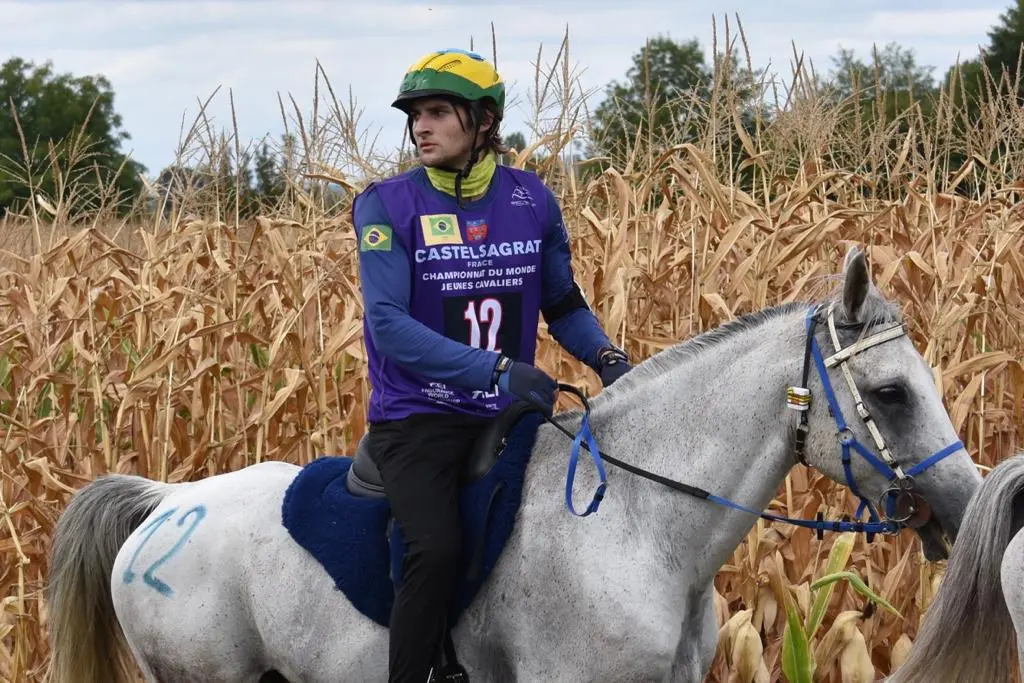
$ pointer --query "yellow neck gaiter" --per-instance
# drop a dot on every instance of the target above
(473, 185)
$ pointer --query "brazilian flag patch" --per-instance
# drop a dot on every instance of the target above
(440, 228)
(376, 238)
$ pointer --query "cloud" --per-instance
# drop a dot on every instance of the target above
(163, 57)
(920, 23)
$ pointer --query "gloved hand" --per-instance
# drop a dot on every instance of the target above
(610, 373)
(613, 364)
(529, 384)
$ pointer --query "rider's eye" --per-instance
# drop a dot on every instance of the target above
(891, 394)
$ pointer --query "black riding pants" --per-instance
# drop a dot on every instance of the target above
(420, 459)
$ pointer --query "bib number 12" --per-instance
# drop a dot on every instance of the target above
(485, 312)
(492, 322)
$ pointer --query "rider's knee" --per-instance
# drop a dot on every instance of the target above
(440, 553)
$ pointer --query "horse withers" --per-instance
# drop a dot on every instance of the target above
(281, 571)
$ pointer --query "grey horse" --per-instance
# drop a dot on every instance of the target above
(624, 594)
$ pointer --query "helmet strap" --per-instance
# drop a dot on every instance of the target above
(474, 122)
(474, 156)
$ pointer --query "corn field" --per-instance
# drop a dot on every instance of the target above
(184, 344)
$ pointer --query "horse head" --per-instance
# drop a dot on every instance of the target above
(872, 418)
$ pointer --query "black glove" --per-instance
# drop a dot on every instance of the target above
(612, 364)
(529, 384)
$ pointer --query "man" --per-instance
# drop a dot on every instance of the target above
(458, 259)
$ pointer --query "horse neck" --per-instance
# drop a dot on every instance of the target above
(716, 420)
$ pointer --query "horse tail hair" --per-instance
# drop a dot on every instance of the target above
(87, 644)
(967, 633)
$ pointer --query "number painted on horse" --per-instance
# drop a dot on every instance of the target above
(149, 576)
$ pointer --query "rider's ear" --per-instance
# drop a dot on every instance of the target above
(856, 283)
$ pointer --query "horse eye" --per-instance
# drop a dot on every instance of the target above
(891, 394)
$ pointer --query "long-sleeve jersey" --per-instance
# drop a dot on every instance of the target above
(392, 269)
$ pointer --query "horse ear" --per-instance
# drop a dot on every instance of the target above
(856, 282)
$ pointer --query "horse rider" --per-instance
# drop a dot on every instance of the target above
(458, 259)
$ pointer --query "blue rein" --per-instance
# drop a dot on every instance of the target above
(902, 483)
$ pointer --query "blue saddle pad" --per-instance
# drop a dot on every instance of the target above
(348, 535)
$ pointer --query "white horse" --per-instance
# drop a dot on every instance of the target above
(206, 581)
(970, 629)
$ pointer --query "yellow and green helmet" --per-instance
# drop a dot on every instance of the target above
(452, 73)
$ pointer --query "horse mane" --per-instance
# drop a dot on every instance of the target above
(671, 357)
(970, 606)
(876, 310)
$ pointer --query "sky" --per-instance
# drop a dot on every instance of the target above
(165, 57)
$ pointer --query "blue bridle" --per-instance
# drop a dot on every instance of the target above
(900, 496)
(900, 493)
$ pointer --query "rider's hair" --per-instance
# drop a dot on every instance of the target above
(476, 111)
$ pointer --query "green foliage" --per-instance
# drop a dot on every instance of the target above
(1003, 54)
(981, 90)
(995, 73)
(888, 90)
(858, 585)
(872, 113)
(249, 181)
(797, 658)
(965, 83)
(58, 131)
(516, 141)
(63, 141)
(798, 663)
(656, 100)
(886, 98)
(672, 96)
(893, 69)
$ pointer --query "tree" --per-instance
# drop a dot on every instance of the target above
(662, 82)
(986, 92)
(255, 177)
(878, 105)
(516, 141)
(965, 85)
(272, 168)
(885, 89)
(967, 82)
(672, 96)
(1005, 40)
(894, 69)
(62, 127)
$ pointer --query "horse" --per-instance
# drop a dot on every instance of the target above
(974, 628)
(280, 572)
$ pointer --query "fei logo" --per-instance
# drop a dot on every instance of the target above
(440, 228)
(521, 197)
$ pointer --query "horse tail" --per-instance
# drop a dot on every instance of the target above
(87, 644)
(967, 633)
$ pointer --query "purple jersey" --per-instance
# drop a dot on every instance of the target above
(476, 279)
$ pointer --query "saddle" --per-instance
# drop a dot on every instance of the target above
(336, 510)
(364, 478)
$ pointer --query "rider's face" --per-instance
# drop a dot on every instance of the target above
(441, 133)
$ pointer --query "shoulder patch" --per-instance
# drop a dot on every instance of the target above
(376, 238)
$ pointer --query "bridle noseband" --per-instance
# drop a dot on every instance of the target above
(903, 506)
